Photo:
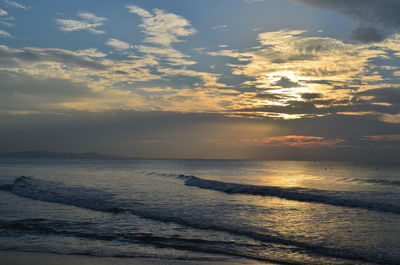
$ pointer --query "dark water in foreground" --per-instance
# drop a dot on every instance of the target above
(280, 212)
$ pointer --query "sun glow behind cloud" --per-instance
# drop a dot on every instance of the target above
(288, 68)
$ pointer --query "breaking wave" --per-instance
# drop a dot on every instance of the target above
(337, 198)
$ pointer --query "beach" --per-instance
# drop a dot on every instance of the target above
(24, 258)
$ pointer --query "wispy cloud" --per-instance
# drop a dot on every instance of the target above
(4, 34)
(15, 4)
(162, 30)
(209, 79)
(220, 27)
(118, 44)
(161, 27)
(3, 12)
(6, 24)
(253, 1)
(172, 56)
(5, 18)
(88, 22)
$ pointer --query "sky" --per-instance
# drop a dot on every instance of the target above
(210, 79)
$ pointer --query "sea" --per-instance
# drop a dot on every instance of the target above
(272, 212)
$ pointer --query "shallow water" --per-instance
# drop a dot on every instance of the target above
(282, 212)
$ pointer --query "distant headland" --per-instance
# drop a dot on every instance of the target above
(50, 154)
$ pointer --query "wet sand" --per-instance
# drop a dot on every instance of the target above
(26, 258)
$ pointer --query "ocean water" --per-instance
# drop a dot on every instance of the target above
(278, 212)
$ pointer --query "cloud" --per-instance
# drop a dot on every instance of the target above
(5, 20)
(209, 79)
(169, 134)
(90, 81)
(87, 67)
(311, 96)
(91, 52)
(391, 118)
(220, 27)
(4, 34)
(162, 28)
(296, 141)
(286, 83)
(88, 22)
(377, 18)
(25, 92)
(119, 45)
(253, 1)
(384, 138)
(15, 4)
(291, 75)
(19, 58)
(7, 24)
(286, 54)
(171, 55)
(34, 93)
(389, 95)
(196, 135)
(3, 12)
(285, 58)
(91, 17)
(367, 34)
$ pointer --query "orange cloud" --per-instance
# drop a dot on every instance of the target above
(296, 141)
(389, 137)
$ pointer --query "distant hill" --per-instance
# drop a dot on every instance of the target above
(47, 154)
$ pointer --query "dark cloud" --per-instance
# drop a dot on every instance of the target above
(385, 100)
(17, 57)
(271, 96)
(388, 95)
(377, 17)
(367, 34)
(24, 92)
(311, 96)
(144, 134)
(286, 83)
(378, 101)
(167, 134)
(119, 72)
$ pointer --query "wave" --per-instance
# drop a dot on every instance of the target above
(336, 198)
(56, 227)
(50, 191)
(223, 249)
(44, 227)
(92, 199)
(385, 182)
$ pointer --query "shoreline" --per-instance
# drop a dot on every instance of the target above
(8, 257)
